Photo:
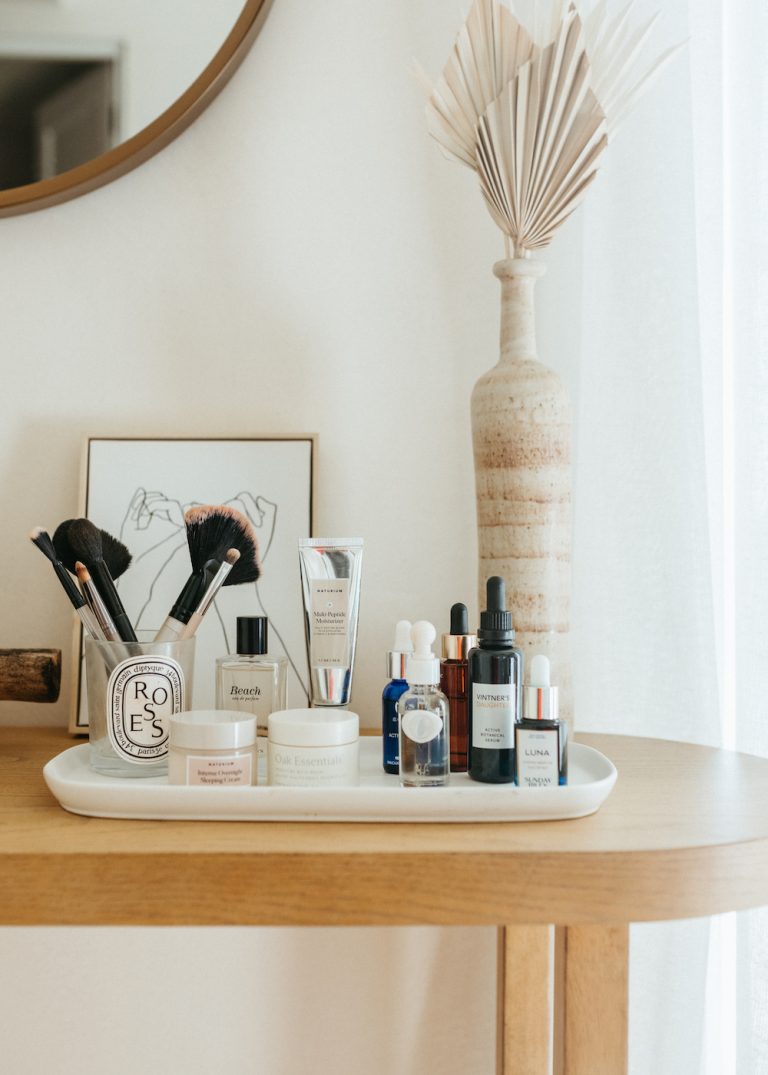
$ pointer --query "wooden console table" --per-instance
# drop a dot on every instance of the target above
(684, 833)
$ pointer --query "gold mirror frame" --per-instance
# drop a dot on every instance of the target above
(140, 147)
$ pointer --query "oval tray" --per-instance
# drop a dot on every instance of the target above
(378, 797)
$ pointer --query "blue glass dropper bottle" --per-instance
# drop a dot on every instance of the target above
(396, 659)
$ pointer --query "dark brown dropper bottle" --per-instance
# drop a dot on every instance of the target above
(454, 682)
(495, 690)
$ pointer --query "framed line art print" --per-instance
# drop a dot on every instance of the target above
(137, 489)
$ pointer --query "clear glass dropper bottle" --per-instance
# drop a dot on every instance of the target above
(423, 715)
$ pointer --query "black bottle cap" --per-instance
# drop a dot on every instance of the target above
(496, 620)
(252, 634)
(459, 620)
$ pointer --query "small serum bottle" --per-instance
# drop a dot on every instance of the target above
(454, 681)
(252, 680)
(541, 738)
(396, 661)
(423, 715)
(495, 689)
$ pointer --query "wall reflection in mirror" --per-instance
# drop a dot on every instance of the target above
(80, 76)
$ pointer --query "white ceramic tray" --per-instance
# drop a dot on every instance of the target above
(379, 797)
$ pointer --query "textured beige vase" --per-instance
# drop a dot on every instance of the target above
(521, 432)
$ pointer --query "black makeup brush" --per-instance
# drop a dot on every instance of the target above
(42, 539)
(218, 580)
(212, 531)
(79, 540)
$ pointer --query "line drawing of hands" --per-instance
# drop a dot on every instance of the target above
(154, 530)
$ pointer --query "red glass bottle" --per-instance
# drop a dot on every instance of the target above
(454, 683)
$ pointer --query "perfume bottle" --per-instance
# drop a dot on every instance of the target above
(541, 739)
(252, 680)
(423, 716)
(396, 660)
(495, 689)
(454, 671)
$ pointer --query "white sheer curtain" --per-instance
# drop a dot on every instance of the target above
(671, 386)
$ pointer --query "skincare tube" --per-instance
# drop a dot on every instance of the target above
(330, 586)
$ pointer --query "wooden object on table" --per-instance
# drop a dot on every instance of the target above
(684, 833)
(30, 675)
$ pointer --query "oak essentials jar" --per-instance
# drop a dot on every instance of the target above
(212, 748)
(315, 748)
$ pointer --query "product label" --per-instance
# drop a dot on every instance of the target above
(227, 772)
(329, 612)
(421, 725)
(313, 767)
(249, 689)
(142, 694)
(537, 758)
(493, 715)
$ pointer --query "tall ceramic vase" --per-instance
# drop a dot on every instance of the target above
(521, 433)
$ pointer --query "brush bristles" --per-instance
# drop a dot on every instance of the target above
(116, 555)
(232, 557)
(82, 572)
(212, 530)
(85, 541)
(80, 539)
(40, 537)
(61, 544)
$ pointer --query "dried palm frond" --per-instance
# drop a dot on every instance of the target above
(489, 50)
(529, 98)
(539, 142)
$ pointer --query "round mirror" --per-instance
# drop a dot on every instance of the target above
(91, 88)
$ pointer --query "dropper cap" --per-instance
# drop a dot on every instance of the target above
(540, 701)
(496, 620)
(459, 642)
(423, 667)
(398, 655)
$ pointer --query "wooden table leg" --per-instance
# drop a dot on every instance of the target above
(525, 1000)
(592, 992)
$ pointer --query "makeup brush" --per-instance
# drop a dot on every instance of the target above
(102, 613)
(212, 531)
(42, 539)
(79, 540)
(218, 580)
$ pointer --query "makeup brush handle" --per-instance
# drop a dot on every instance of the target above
(101, 612)
(171, 631)
(90, 623)
(106, 587)
(207, 600)
(69, 585)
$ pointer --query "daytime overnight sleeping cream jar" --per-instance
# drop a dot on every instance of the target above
(212, 748)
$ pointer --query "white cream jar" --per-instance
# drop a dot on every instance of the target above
(212, 748)
(313, 748)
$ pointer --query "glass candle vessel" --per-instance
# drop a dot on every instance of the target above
(133, 690)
